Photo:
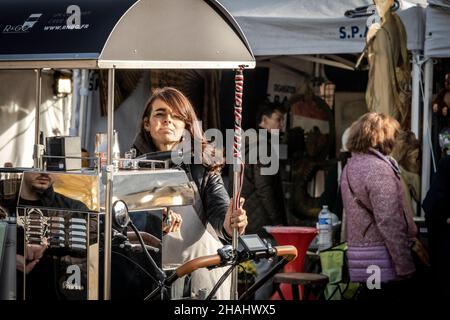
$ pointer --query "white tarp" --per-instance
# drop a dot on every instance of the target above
(17, 114)
(437, 35)
(290, 27)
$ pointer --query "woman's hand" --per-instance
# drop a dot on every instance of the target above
(235, 219)
(171, 221)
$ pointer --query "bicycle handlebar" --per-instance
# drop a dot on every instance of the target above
(289, 252)
(197, 263)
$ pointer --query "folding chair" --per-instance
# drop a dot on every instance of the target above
(334, 266)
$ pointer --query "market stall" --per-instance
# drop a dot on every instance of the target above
(303, 29)
(301, 37)
(130, 34)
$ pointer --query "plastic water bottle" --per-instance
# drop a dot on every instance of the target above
(325, 227)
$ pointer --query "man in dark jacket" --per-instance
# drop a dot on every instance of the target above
(37, 190)
(263, 193)
(437, 214)
(45, 270)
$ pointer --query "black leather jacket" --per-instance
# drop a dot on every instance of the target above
(214, 196)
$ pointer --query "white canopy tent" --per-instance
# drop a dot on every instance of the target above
(437, 38)
(437, 45)
(291, 27)
(304, 27)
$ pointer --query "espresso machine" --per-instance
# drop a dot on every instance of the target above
(61, 215)
(103, 42)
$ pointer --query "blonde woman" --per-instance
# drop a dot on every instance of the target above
(380, 230)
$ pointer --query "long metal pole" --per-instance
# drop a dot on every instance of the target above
(237, 168)
(82, 114)
(87, 135)
(426, 130)
(415, 102)
(109, 188)
(36, 150)
(73, 131)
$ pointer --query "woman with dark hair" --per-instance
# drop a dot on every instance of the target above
(168, 120)
(380, 230)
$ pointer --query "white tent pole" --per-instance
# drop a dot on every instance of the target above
(415, 103)
(426, 130)
(319, 60)
(38, 148)
(337, 58)
(316, 61)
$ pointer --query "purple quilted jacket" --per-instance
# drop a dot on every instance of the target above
(384, 236)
